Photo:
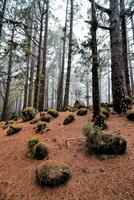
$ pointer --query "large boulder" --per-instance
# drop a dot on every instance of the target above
(69, 119)
(29, 113)
(82, 111)
(46, 117)
(40, 151)
(106, 144)
(53, 113)
(79, 104)
(13, 129)
(52, 174)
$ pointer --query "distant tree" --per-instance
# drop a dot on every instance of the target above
(66, 97)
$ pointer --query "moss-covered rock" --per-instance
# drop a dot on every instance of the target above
(40, 151)
(13, 129)
(53, 113)
(79, 104)
(32, 142)
(69, 119)
(82, 111)
(29, 113)
(46, 117)
(105, 112)
(130, 115)
(107, 144)
(52, 174)
(40, 126)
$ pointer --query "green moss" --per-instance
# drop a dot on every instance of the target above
(46, 117)
(40, 126)
(53, 112)
(13, 129)
(69, 119)
(33, 142)
(51, 173)
(29, 113)
(91, 131)
(40, 151)
(105, 112)
(82, 112)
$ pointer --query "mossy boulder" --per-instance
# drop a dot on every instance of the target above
(32, 142)
(105, 112)
(69, 119)
(82, 111)
(40, 151)
(40, 126)
(106, 145)
(51, 174)
(53, 113)
(46, 117)
(79, 104)
(130, 115)
(29, 113)
(13, 129)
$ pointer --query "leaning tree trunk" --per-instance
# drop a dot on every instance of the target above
(43, 73)
(7, 92)
(2, 13)
(37, 80)
(67, 87)
(61, 77)
(118, 81)
(124, 47)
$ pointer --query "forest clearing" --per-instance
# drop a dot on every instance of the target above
(67, 100)
(91, 178)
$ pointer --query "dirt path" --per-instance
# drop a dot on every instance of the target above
(91, 179)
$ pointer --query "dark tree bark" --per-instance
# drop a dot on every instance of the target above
(37, 80)
(7, 91)
(67, 87)
(61, 76)
(118, 81)
(2, 12)
(124, 47)
(43, 73)
(95, 64)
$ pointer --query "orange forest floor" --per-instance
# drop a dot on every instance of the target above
(91, 178)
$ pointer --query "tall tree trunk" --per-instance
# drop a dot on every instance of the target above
(31, 82)
(43, 73)
(37, 80)
(46, 94)
(7, 92)
(132, 22)
(95, 65)
(118, 81)
(61, 77)
(67, 87)
(109, 83)
(124, 47)
(87, 92)
(26, 84)
(2, 13)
